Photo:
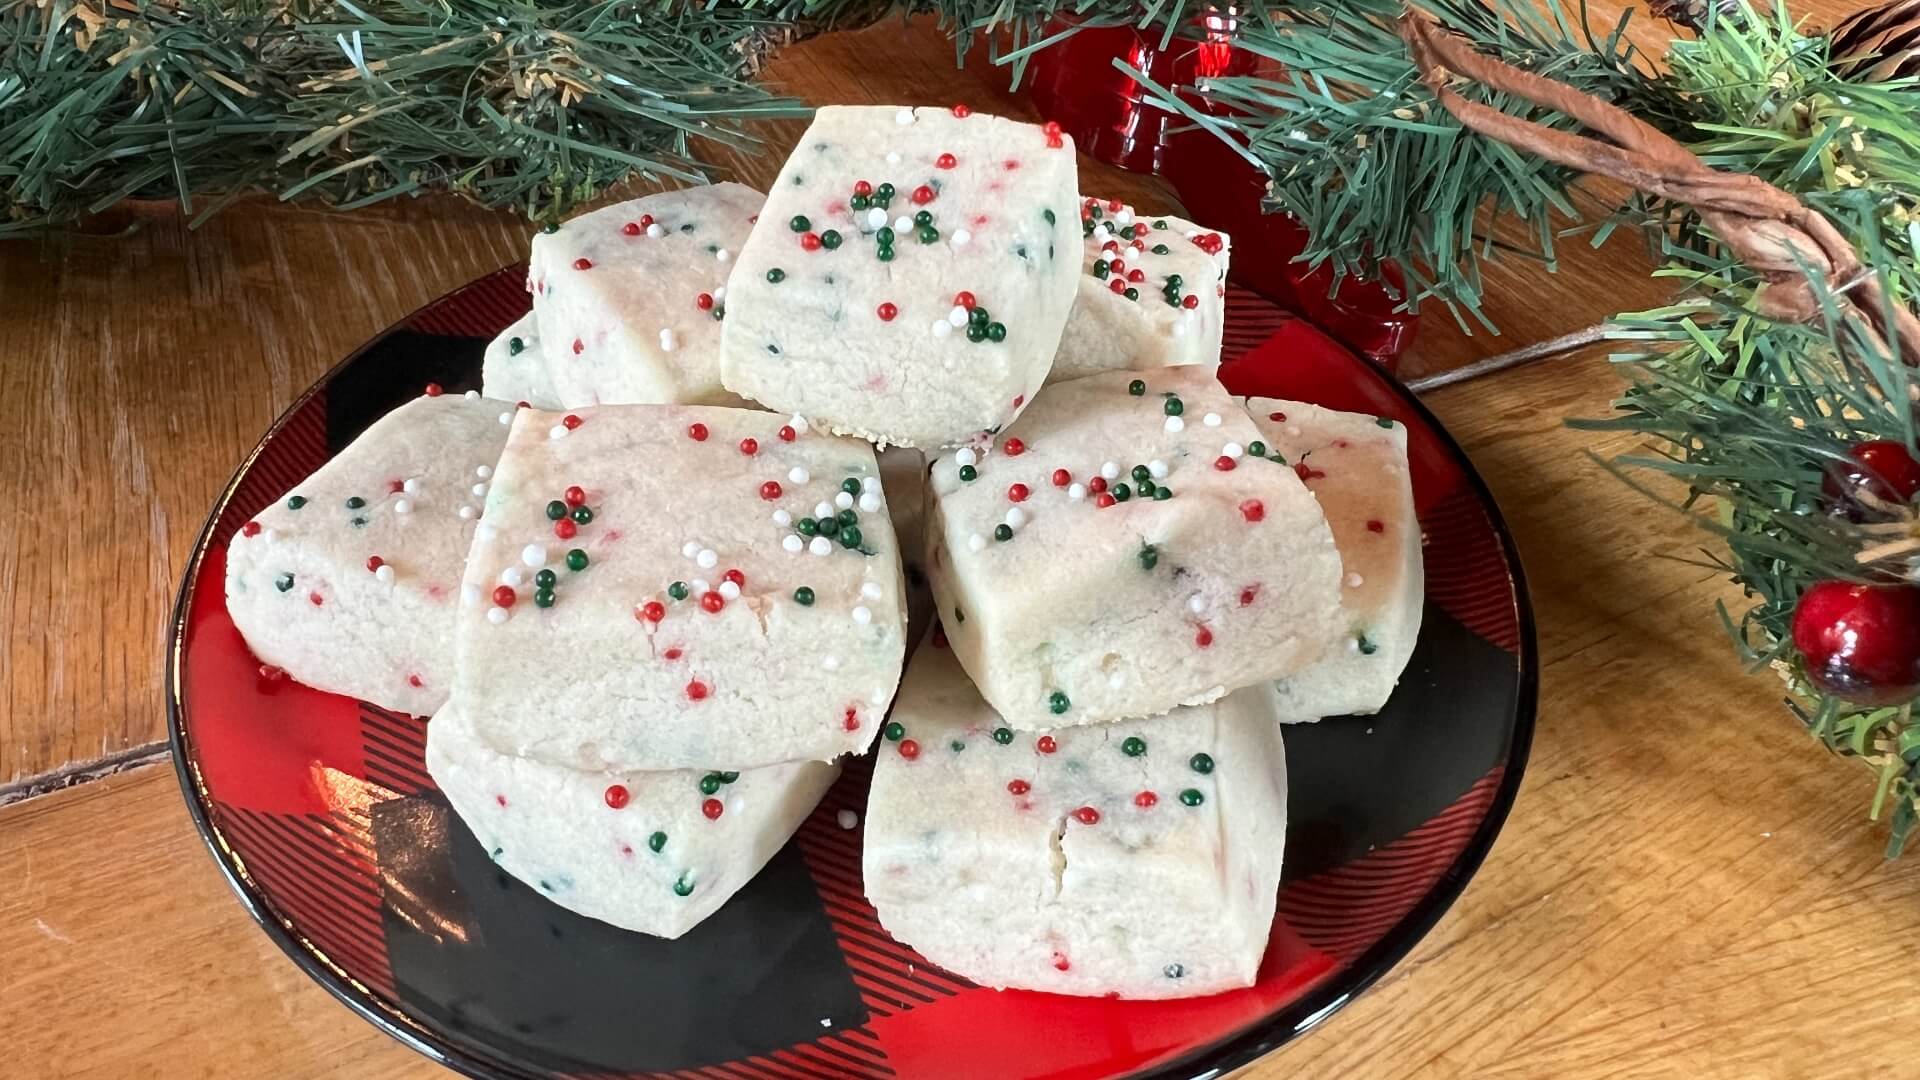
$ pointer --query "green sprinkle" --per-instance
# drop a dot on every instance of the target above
(830, 239)
(1201, 763)
(682, 886)
(582, 515)
(1145, 489)
(545, 579)
(968, 474)
(850, 536)
(1003, 736)
(576, 560)
(543, 598)
(1173, 407)
(355, 502)
(1174, 281)
(959, 616)
(894, 731)
(776, 275)
(549, 228)
(924, 217)
(1048, 214)
(1141, 472)
(976, 332)
(807, 526)
(978, 316)
(1367, 645)
(729, 777)
(956, 746)
(846, 517)
(884, 191)
(1159, 249)
(1149, 556)
(719, 312)
(1162, 493)
(1057, 702)
(709, 783)
(1160, 223)
(1120, 492)
(283, 582)
(858, 202)
(677, 590)
(799, 223)
(803, 596)
(1137, 388)
(1257, 448)
(1096, 212)
(514, 346)
(1192, 797)
(884, 236)
(295, 502)
(1100, 269)
(1132, 294)
(1003, 532)
(1383, 421)
(657, 841)
(1134, 746)
(884, 254)
(556, 510)
(357, 522)
(996, 331)
(1173, 971)
(851, 485)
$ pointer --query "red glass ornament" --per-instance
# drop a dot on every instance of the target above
(1860, 642)
(1883, 467)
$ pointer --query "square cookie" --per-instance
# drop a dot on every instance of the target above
(1152, 294)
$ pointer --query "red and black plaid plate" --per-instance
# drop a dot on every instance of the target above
(320, 813)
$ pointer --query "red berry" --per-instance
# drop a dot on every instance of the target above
(697, 432)
(1104, 500)
(1884, 467)
(886, 312)
(749, 446)
(909, 749)
(1045, 744)
(1017, 493)
(653, 611)
(810, 241)
(1860, 642)
(962, 111)
(571, 422)
(1223, 463)
(1019, 787)
(1190, 301)
(565, 529)
(1097, 485)
(735, 576)
(583, 264)
(787, 433)
(964, 299)
(503, 596)
(1061, 478)
(1014, 447)
(631, 228)
(251, 528)
(433, 389)
(921, 195)
(704, 301)
(1145, 800)
(713, 808)
(945, 161)
(712, 602)
(1203, 637)
(617, 796)
(1087, 815)
(697, 690)
(1252, 509)
(575, 495)
(862, 188)
(770, 490)
(375, 562)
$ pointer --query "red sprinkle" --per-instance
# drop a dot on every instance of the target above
(523, 405)
(1203, 637)
(909, 749)
(315, 599)
(501, 799)
(579, 346)
(1060, 962)
(1061, 478)
(575, 495)
(1307, 472)
(395, 487)
(921, 195)
(712, 602)
(965, 299)
(1252, 509)
(251, 528)
(1118, 266)
(749, 446)
(433, 389)
(503, 596)
(1223, 463)
(1114, 205)
(1087, 815)
(1097, 485)
(945, 161)
(1014, 447)
(697, 432)
(770, 490)
(1277, 416)
(1247, 595)
(1145, 800)
(1118, 286)
(851, 721)
(1375, 526)
(1019, 400)
(414, 681)
(631, 228)
(674, 653)
(704, 301)
(1018, 493)
(1045, 744)
(653, 611)
(583, 264)
(713, 808)
(862, 188)
(697, 690)
(646, 220)
(886, 312)
(375, 562)
(1052, 127)
(1019, 787)
(617, 796)
(962, 111)
(735, 576)
(1104, 500)
(570, 421)
(565, 529)
(1136, 276)
(1190, 301)
(810, 241)
(787, 434)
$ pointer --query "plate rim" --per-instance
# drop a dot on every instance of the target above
(1254, 1041)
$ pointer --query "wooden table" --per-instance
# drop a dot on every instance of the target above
(1684, 888)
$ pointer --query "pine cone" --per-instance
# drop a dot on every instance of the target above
(1877, 43)
(1692, 14)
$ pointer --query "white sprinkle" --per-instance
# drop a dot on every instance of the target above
(467, 513)
(722, 255)
(268, 536)
(823, 509)
(471, 395)
(876, 218)
(403, 506)
(1110, 470)
(1105, 231)
(666, 339)
(820, 545)
(1196, 603)
(699, 585)
(957, 317)
(966, 456)
(880, 696)
(782, 518)
(506, 419)
(1353, 645)
(479, 491)
(1212, 419)
(940, 328)
(793, 543)
(470, 595)
(557, 431)
(513, 576)
(847, 819)
(830, 663)
(893, 157)
(1174, 423)
(737, 803)
(798, 423)
(903, 117)
(976, 542)
(720, 294)
(411, 486)
(902, 224)
(1354, 581)
(869, 503)
(798, 475)
(384, 574)
(707, 559)
(871, 590)
(484, 533)
(1016, 517)
(1157, 469)
(655, 231)
(484, 472)
(1233, 450)
(1124, 216)
(534, 555)
(869, 483)
(497, 615)
(960, 238)
(689, 549)
(729, 590)
(843, 500)
(1076, 491)
(862, 615)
